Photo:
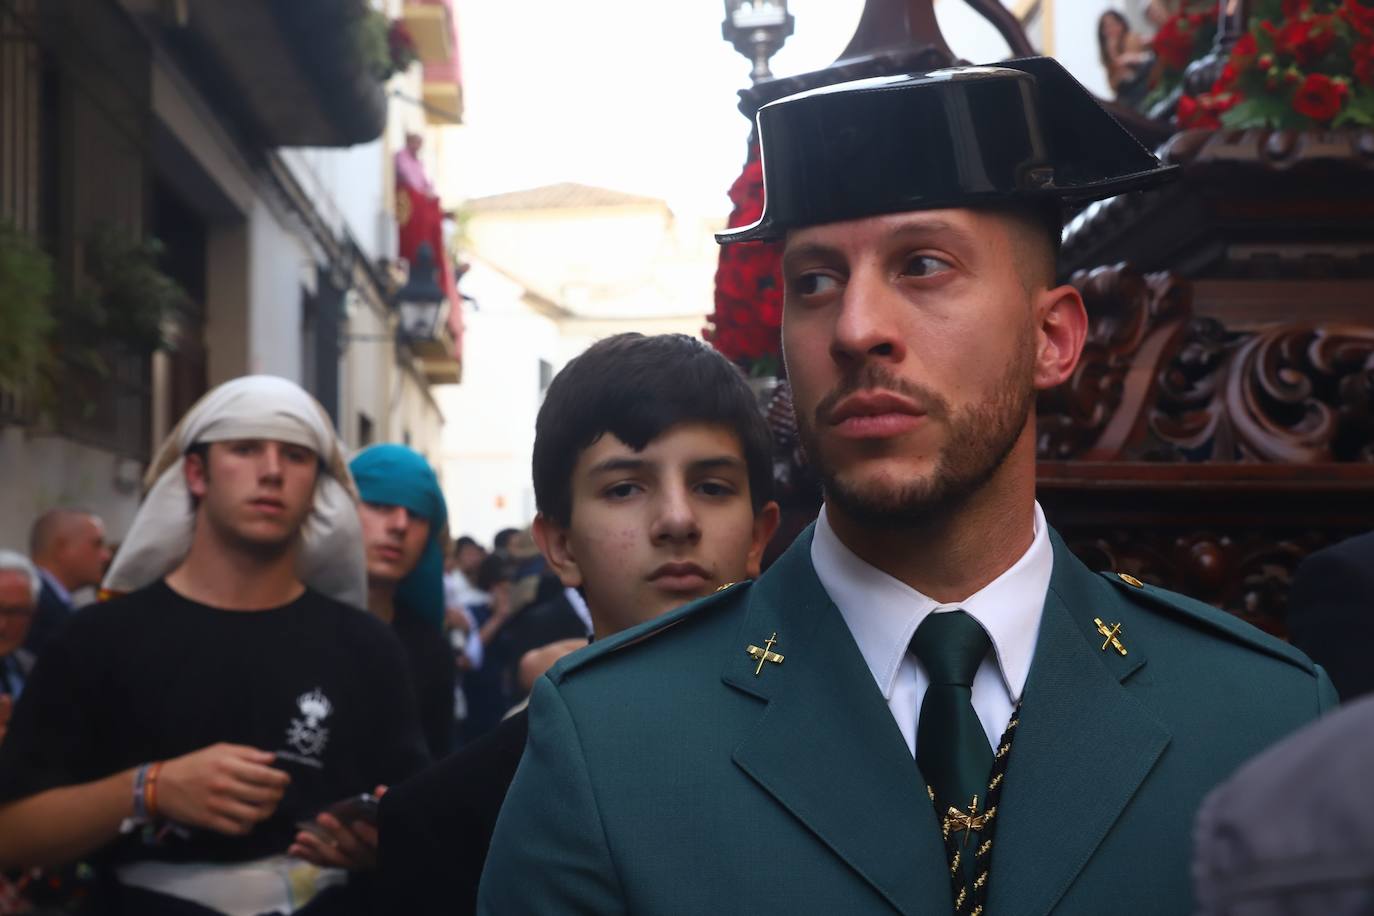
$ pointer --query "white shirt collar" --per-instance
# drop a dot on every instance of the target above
(883, 613)
(579, 606)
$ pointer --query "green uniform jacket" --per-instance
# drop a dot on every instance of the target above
(663, 776)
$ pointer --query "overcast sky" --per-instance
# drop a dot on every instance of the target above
(636, 95)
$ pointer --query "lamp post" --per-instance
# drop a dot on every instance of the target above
(757, 29)
(420, 302)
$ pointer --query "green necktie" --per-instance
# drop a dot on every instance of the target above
(951, 748)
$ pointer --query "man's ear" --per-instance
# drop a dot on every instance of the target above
(193, 469)
(554, 544)
(1061, 329)
(765, 526)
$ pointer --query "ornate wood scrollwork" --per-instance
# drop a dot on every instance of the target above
(1246, 571)
(1157, 384)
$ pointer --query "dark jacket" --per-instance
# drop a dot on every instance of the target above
(435, 828)
(434, 673)
(53, 614)
(1331, 612)
(1292, 833)
(665, 773)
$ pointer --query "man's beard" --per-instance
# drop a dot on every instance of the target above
(980, 438)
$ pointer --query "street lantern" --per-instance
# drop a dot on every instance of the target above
(757, 29)
(421, 301)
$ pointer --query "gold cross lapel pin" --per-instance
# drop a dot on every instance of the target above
(1111, 634)
(764, 654)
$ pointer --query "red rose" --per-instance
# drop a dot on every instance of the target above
(1318, 98)
(1243, 52)
(1360, 15)
(747, 191)
(1307, 40)
(1173, 43)
(1363, 55)
(1266, 61)
(1319, 40)
(1225, 80)
(770, 311)
(1194, 114)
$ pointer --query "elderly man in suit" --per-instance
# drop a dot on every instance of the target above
(68, 547)
(19, 590)
(927, 705)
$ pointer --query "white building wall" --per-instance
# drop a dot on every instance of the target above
(43, 471)
(347, 186)
(279, 266)
(488, 435)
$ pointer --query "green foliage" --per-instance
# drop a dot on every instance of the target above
(1259, 111)
(25, 320)
(123, 300)
(385, 47)
(369, 36)
(1358, 111)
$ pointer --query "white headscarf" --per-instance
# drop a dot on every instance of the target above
(331, 558)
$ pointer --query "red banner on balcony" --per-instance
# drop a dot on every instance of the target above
(421, 219)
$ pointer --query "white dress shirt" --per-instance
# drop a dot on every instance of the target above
(883, 614)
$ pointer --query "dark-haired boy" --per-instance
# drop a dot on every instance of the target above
(653, 476)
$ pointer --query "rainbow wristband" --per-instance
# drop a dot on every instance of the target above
(140, 799)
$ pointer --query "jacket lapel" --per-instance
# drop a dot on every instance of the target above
(1084, 746)
(826, 746)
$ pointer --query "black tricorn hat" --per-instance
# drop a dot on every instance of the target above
(1023, 130)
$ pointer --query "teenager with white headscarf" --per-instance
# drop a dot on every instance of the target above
(179, 732)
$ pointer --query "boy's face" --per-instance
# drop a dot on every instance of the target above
(256, 493)
(394, 538)
(655, 529)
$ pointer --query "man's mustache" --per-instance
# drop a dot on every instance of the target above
(874, 377)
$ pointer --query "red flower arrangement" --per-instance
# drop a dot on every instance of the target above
(401, 44)
(746, 324)
(1184, 37)
(1303, 64)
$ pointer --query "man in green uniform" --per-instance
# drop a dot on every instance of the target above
(927, 705)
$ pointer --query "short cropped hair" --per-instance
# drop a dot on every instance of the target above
(1039, 229)
(636, 388)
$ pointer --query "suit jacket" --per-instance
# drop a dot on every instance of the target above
(1331, 612)
(434, 828)
(664, 775)
(52, 616)
(1276, 840)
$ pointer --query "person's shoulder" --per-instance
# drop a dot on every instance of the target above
(1209, 623)
(1354, 554)
(466, 779)
(680, 630)
(131, 608)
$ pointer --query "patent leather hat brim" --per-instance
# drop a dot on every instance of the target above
(1022, 131)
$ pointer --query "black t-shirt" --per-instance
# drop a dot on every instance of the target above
(153, 675)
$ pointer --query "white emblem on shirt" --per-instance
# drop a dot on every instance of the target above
(307, 734)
